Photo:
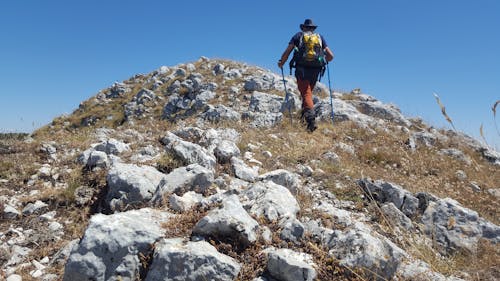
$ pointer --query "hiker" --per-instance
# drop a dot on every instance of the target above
(309, 60)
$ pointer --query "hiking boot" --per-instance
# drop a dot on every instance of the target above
(310, 119)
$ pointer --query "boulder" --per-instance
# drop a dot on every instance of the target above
(457, 154)
(225, 150)
(184, 202)
(292, 230)
(242, 171)
(112, 146)
(10, 213)
(379, 110)
(130, 185)
(265, 103)
(190, 178)
(220, 113)
(283, 177)
(270, 200)
(175, 259)
(385, 192)
(454, 227)
(228, 221)
(263, 120)
(111, 245)
(189, 152)
(288, 265)
(35, 208)
(356, 247)
(395, 217)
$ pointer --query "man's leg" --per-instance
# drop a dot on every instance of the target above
(306, 88)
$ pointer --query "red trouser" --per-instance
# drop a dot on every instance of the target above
(306, 88)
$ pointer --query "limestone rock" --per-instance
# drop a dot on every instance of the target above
(112, 244)
(175, 259)
(130, 185)
(287, 265)
(454, 227)
(270, 200)
(229, 220)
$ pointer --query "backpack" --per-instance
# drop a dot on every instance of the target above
(310, 52)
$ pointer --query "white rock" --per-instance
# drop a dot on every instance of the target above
(131, 184)
(32, 208)
(112, 245)
(270, 200)
(175, 259)
(14, 277)
(285, 264)
(190, 178)
(229, 220)
(242, 171)
(184, 203)
(9, 212)
(283, 177)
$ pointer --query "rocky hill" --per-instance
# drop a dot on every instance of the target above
(198, 172)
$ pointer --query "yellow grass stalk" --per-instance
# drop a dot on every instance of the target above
(494, 109)
(443, 111)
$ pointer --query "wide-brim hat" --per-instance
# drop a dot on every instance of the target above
(308, 23)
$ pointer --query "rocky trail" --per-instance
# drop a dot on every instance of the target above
(193, 172)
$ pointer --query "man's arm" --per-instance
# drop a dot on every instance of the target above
(329, 54)
(284, 56)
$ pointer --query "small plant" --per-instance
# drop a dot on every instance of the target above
(168, 162)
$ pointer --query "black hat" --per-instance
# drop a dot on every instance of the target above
(308, 23)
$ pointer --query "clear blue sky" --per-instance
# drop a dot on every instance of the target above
(55, 54)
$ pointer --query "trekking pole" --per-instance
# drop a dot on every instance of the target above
(286, 95)
(330, 88)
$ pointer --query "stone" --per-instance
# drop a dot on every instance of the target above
(270, 200)
(10, 213)
(229, 220)
(112, 146)
(220, 113)
(189, 152)
(457, 154)
(461, 175)
(285, 264)
(112, 244)
(455, 228)
(292, 230)
(175, 259)
(130, 185)
(83, 195)
(331, 157)
(395, 217)
(14, 277)
(494, 192)
(184, 202)
(98, 159)
(242, 170)
(419, 270)
(225, 150)
(356, 247)
(190, 178)
(35, 208)
(265, 103)
(383, 111)
(283, 177)
(385, 192)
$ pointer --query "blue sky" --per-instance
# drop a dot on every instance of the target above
(55, 54)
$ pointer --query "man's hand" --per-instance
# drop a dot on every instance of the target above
(281, 63)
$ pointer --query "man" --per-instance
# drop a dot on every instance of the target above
(309, 62)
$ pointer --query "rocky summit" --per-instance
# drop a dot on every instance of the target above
(205, 171)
